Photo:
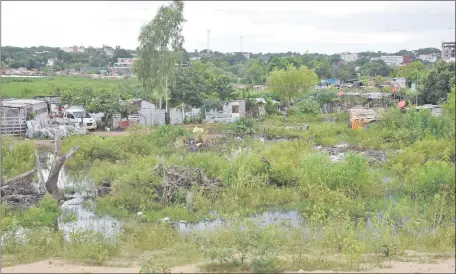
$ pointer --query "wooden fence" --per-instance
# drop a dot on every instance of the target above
(217, 116)
(13, 126)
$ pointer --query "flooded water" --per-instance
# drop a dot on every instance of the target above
(338, 153)
(288, 218)
(85, 219)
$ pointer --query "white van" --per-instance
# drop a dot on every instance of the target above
(74, 114)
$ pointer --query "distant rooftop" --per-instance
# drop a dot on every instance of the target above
(18, 103)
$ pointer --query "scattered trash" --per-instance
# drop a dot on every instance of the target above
(36, 131)
(166, 219)
(302, 127)
(139, 213)
(198, 130)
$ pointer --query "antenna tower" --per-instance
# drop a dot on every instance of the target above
(208, 40)
(241, 45)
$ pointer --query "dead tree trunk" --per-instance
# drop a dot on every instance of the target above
(41, 182)
(20, 192)
(51, 183)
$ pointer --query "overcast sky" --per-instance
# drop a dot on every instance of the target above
(272, 26)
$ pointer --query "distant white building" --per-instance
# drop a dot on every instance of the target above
(349, 57)
(390, 60)
(196, 58)
(401, 82)
(73, 49)
(428, 57)
(109, 51)
(50, 62)
(448, 50)
(125, 62)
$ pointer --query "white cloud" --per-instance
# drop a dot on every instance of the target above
(95, 23)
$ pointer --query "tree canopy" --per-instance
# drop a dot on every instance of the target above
(160, 48)
(438, 82)
(290, 83)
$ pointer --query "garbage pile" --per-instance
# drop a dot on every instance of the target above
(36, 131)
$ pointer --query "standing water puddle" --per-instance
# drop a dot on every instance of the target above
(85, 219)
(290, 218)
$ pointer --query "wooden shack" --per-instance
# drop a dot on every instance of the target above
(361, 116)
(15, 112)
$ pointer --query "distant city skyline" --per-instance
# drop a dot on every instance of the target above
(267, 27)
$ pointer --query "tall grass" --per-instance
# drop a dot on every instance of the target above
(348, 210)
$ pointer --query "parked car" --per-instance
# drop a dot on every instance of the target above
(75, 114)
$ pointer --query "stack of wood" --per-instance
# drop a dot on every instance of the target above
(20, 191)
(184, 177)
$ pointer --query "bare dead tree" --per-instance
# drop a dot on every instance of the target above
(42, 189)
(20, 192)
(57, 164)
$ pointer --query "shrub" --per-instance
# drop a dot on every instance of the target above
(415, 125)
(17, 161)
(309, 106)
(243, 125)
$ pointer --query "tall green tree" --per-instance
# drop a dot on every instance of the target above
(374, 68)
(198, 82)
(160, 49)
(344, 72)
(256, 73)
(438, 82)
(277, 63)
(322, 68)
(413, 71)
(291, 83)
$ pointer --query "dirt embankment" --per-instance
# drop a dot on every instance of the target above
(56, 266)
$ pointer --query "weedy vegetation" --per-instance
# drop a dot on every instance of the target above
(350, 217)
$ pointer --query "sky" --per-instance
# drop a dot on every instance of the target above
(269, 26)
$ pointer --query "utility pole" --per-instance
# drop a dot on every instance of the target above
(208, 39)
(241, 45)
(416, 91)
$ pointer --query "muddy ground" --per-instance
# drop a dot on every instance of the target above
(339, 152)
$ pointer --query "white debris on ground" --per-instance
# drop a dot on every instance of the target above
(36, 131)
(198, 130)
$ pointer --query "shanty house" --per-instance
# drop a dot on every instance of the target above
(15, 112)
(235, 109)
(146, 111)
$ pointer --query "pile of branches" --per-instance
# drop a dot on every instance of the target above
(184, 177)
(21, 191)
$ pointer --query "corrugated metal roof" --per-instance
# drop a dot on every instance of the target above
(17, 103)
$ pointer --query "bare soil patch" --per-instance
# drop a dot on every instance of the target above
(56, 266)
(110, 133)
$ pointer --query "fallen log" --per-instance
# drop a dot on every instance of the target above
(20, 178)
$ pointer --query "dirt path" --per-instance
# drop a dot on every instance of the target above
(110, 133)
(56, 266)
(48, 143)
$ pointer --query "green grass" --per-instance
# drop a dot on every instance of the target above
(334, 198)
(28, 88)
